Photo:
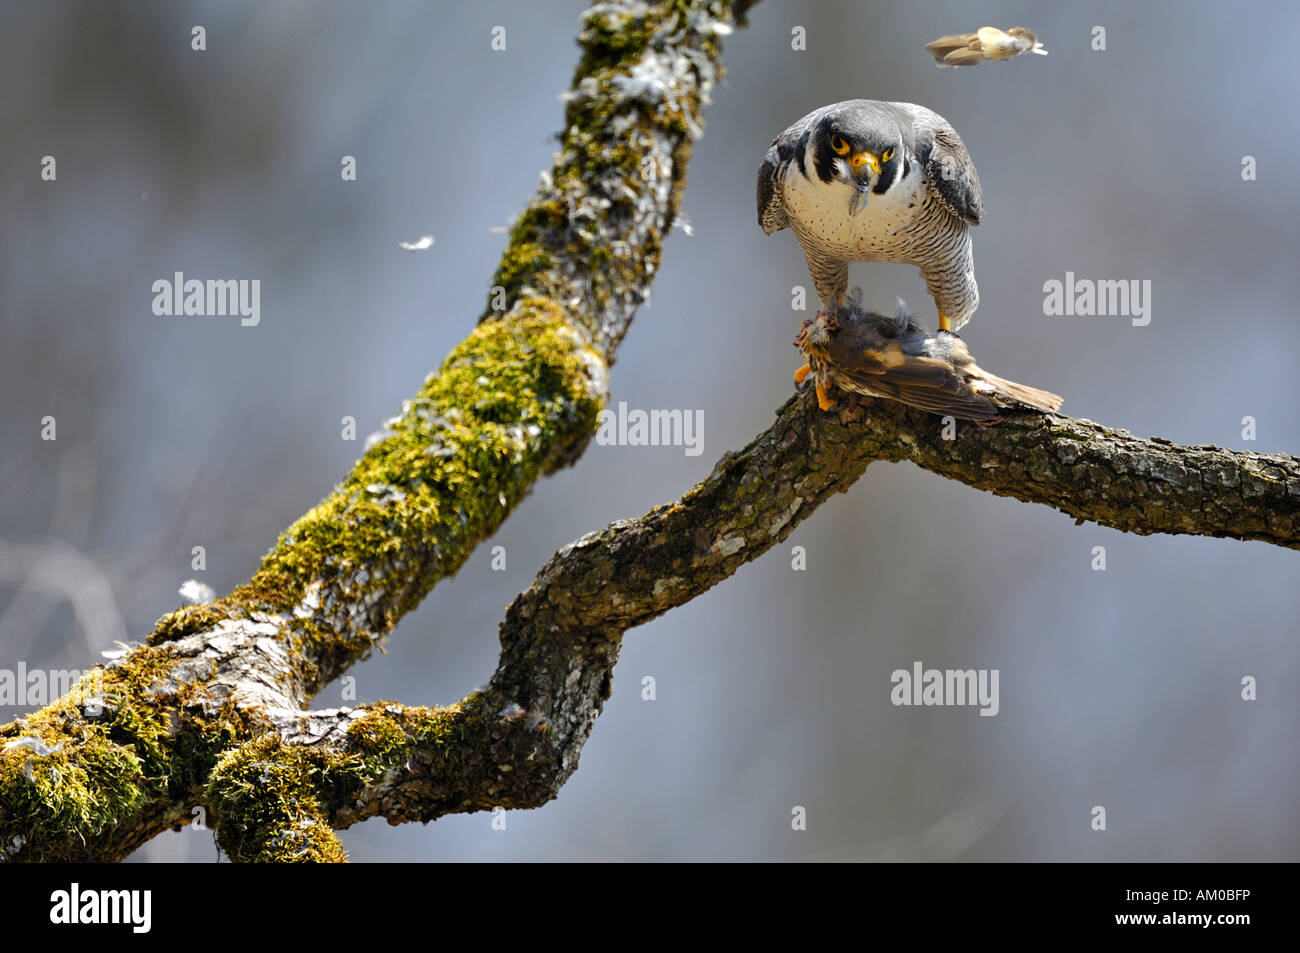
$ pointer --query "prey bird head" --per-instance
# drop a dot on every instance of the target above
(816, 332)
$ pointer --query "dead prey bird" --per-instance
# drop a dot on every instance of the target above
(856, 350)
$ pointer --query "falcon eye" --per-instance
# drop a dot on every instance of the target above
(840, 147)
(886, 155)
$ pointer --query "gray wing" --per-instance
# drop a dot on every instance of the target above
(948, 167)
(771, 204)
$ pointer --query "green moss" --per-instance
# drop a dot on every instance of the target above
(100, 770)
(597, 162)
(272, 801)
(186, 621)
(511, 401)
(117, 746)
(380, 736)
(264, 798)
(526, 258)
(522, 260)
(516, 399)
(389, 730)
(613, 40)
(66, 795)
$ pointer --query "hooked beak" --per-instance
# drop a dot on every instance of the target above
(866, 159)
(866, 167)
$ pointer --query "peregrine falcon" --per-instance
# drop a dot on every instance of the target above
(867, 353)
(870, 181)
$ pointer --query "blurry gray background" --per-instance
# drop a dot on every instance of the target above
(1118, 688)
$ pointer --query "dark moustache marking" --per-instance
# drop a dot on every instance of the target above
(887, 176)
(822, 160)
(799, 148)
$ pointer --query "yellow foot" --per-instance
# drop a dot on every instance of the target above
(823, 399)
(944, 323)
(800, 374)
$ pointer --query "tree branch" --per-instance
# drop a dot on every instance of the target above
(211, 710)
(635, 570)
(518, 741)
(513, 402)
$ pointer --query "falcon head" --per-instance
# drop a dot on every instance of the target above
(860, 146)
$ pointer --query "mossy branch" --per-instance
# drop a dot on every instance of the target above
(514, 744)
(211, 711)
(185, 719)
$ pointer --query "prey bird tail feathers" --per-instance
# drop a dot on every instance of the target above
(1020, 396)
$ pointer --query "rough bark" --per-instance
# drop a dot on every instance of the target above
(520, 739)
(212, 709)
(635, 570)
(513, 402)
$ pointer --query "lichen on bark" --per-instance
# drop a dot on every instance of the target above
(199, 708)
(212, 710)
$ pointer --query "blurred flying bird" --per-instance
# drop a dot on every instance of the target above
(986, 43)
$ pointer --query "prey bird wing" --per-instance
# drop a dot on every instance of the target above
(964, 58)
(867, 362)
(948, 50)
